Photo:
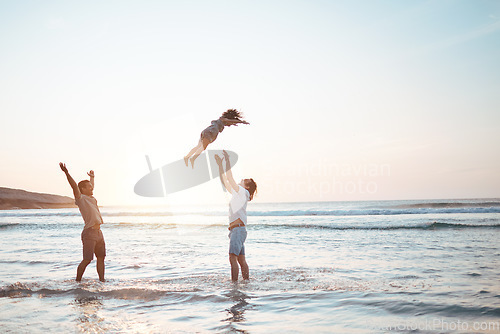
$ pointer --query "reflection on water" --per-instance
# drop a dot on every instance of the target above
(88, 319)
(237, 311)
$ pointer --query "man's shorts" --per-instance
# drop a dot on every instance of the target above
(93, 243)
(237, 237)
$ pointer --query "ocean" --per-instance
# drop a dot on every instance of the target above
(325, 267)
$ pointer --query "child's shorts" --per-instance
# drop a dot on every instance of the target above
(210, 133)
(237, 237)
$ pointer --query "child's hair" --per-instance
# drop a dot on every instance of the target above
(233, 114)
(82, 184)
(252, 187)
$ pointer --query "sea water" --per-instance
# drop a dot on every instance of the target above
(331, 267)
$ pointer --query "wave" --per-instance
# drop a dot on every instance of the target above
(347, 209)
(131, 293)
(27, 214)
(449, 205)
(382, 208)
(403, 307)
(374, 212)
(324, 224)
(294, 283)
(424, 226)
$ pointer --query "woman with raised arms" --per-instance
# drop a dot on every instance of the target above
(241, 194)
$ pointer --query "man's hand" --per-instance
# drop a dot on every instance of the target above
(228, 163)
(218, 160)
(63, 167)
(91, 173)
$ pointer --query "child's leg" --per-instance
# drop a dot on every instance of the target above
(193, 151)
(201, 148)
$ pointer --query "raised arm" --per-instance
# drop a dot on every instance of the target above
(229, 174)
(72, 182)
(228, 121)
(222, 174)
(91, 174)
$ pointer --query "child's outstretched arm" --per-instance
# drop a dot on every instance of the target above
(228, 121)
(229, 174)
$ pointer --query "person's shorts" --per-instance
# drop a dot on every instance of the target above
(237, 237)
(210, 134)
(93, 243)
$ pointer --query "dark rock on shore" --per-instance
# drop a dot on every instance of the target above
(11, 199)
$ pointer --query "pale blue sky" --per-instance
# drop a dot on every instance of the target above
(347, 100)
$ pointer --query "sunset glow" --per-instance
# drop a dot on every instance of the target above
(407, 89)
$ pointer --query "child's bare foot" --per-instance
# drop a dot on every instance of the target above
(192, 161)
(186, 159)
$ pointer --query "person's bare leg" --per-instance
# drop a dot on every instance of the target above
(245, 271)
(203, 146)
(193, 151)
(81, 269)
(233, 260)
(100, 268)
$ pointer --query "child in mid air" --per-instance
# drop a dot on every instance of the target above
(228, 118)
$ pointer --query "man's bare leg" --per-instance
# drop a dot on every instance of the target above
(81, 269)
(100, 268)
(245, 271)
(235, 269)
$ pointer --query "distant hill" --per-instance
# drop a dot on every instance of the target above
(20, 199)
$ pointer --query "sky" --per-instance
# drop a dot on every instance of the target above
(347, 100)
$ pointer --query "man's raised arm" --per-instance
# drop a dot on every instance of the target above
(72, 182)
(91, 174)
(222, 173)
(229, 174)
